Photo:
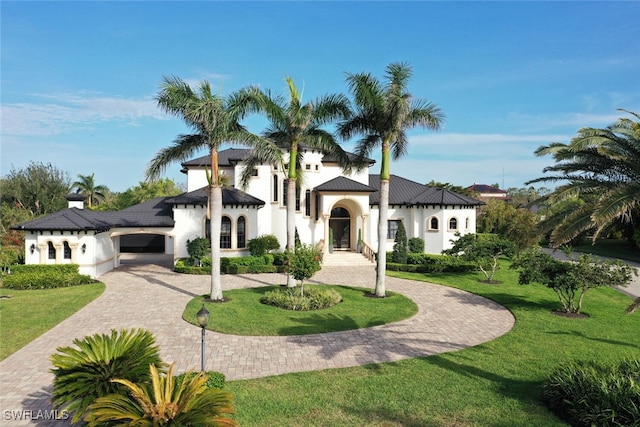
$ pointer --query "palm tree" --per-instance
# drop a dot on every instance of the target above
(86, 186)
(214, 123)
(164, 402)
(602, 170)
(383, 113)
(292, 126)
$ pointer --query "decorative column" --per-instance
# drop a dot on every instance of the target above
(325, 220)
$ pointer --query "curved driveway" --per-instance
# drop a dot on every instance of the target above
(153, 297)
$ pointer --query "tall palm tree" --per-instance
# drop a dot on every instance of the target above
(601, 168)
(292, 126)
(384, 111)
(86, 185)
(213, 123)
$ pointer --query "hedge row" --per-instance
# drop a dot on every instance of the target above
(44, 280)
(429, 263)
(53, 268)
(268, 263)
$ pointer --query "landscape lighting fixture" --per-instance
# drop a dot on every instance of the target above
(203, 319)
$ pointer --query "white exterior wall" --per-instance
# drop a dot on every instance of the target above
(190, 223)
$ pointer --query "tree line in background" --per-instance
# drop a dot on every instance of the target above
(40, 189)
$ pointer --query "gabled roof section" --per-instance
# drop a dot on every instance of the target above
(230, 196)
(343, 184)
(405, 192)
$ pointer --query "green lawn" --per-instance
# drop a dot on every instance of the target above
(246, 315)
(27, 314)
(614, 248)
(494, 384)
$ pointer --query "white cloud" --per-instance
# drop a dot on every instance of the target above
(64, 113)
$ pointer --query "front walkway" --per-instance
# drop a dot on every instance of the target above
(153, 297)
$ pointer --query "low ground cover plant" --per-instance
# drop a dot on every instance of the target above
(595, 393)
(294, 298)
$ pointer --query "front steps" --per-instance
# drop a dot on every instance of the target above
(345, 259)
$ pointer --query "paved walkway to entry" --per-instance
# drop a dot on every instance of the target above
(153, 297)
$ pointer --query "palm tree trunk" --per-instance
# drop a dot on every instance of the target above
(382, 238)
(215, 206)
(291, 222)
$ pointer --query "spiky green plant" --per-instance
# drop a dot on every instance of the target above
(164, 402)
(83, 373)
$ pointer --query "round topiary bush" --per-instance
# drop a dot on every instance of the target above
(313, 298)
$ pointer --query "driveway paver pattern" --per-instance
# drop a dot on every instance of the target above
(153, 297)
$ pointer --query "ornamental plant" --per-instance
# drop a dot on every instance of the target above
(303, 263)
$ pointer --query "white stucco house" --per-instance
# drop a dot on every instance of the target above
(328, 199)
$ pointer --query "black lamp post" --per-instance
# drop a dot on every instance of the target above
(203, 319)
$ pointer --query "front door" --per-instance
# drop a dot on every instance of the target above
(340, 223)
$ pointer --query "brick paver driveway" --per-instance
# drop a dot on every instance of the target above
(153, 297)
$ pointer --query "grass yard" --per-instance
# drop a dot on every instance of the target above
(27, 314)
(246, 315)
(493, 384)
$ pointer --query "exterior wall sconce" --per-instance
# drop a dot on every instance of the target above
(84, 248)
(32, 248)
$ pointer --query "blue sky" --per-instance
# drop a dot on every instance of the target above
(78, 79)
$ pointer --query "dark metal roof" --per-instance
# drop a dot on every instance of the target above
(343, 184)
(233, 156)
(153, 213)
(228, 157)
(230, 196)
(410, 193)
(484, 188)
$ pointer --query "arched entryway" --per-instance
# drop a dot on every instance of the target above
(340, 223)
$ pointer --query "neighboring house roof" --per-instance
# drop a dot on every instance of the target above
(230, 196)
(342, 183)
(405, 192)
(153, 213)
(486, 189)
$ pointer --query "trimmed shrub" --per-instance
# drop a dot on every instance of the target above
(314, 298)
(59, 268)
(400, 245)
(595, 394)
(415, 245)
(429, 263)
(45, 277)
(263, 244)
(198, 249)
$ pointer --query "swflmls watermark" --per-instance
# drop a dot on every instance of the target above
(28, 414)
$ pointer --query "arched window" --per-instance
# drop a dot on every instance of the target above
(275, 188)
(225, 233)
(241, 232)
(453, 224)
(466, 223)
(433, 223)
(52, 250)
(67, 250)
(284, 192)
(297, 199)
